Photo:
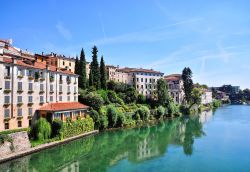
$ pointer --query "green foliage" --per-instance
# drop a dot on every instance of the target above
(112, 114)
(41, 130)
(103, 77)
(104, 95)
(103, 122)
(131, 95)
(195, 97)
(73, 128)
(82, 71)
(113, 98)
(141, 99)
(94, 68)
(120, 120)
(143, 112)
(91, 81)
(5, 138)
(172, 109)
(188, 83)
(91, 99)
(37, 75)
(57, 126)
(96, 118)
(162, 92)
(216, 103)
(160, 112)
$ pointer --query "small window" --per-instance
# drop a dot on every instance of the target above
(41, 87)
(19, 112)
(7, 85)
(6, 99)
(60, 98)
(30, 99)
(6, 126)
(6, 113)
(19, 99)
(69, 63)
(41, 99)
(30, 111)
(51, 99)
(51, 87)
(30, 122)
(68, 98)
(19, 86)
(141, 79)
(63, 63)
(30, 86)
(19, 124)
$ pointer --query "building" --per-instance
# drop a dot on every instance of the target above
(228, 89)
(175, 87)
(144, 80)
(206, 97)
(31, 88)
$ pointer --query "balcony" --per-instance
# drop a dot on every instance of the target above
(6, 104)
(41, 103)
(19, 116)
(20, 76)
(68, 82)
(51, 92)
(61, 81)
(30, 91)
(7, 91)
(42, 79)
(51, 79)
(30, 77)
(19, 91)
(7, 76)
(60, 92)
(6, 117)
(30, 104)
(75, 93)
(19, 104)
(68, 92)
(41, 92)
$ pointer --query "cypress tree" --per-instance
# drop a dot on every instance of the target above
(103, 77)
(82, 70)
(77, 66)
(90, 78)
(94, 68)
(188, 83)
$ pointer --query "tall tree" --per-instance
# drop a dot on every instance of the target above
(94, 68)
(77, 66)
(103, 77)
(82, 71)
(188, 83)
(90, 79)
(162, 92)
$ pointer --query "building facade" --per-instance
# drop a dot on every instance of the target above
(175, 87)
(206, 97)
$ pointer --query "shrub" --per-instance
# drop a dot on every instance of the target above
(141, 99)
(91, 99)
(42, 130)
(57, 126)
(143, 112)
(120, 120)
(103, 122)
(172, 109)
(96, 118)
(113, 98)
(216, 103)
(112, 115)
(104, 95)
(160, 112)
(131, 95)
(5, 138)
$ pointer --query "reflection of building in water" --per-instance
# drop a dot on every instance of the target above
(72, 166)
(206, 116)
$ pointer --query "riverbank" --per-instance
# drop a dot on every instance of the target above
(44, 146)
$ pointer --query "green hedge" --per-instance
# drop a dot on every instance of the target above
(73, 128)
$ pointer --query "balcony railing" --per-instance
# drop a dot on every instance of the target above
(30, 103)
(7, 76)
(19, 91)
(6, 91)
(30, 91)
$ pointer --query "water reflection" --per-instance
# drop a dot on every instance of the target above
(98, 153)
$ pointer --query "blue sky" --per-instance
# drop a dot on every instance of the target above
(211, 37)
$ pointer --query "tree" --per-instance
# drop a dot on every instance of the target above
(94, 68)
(103, 77)
(77, 66)
(162, 92)
(82, 71)
(195, 97)
(90, 79)
(188, 83)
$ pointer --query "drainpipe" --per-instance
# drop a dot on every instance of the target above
(12, 88)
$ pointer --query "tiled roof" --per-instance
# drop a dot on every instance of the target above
(62, 106)
(173, 77)
(126, 69)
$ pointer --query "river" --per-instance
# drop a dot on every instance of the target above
(213, 141)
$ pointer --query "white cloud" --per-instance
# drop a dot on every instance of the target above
(63, 31)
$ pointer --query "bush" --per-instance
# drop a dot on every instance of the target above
(120, 120)
(131, 95)
(96, 118)
(141, 99)
(57, 126)
(216, 103)
(103, 122)
(41, 130)
(112, 115)
(5, 138)
(104, 95)
(113, 98)
(160, 112)
(77, 127)
(172, 109)
(91, 99)
(143, 112)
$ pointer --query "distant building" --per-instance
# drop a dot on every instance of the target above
(228, 89)
(175, 87)
(206, 97)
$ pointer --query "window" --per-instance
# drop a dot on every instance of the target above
(63, 63)
(19, 123)
(74, 89)
(19, 72)
(142, 86)
(137, 86)
(19, 112)
(69, 63)
(41, 99)
(146, 80)
(146, 86)
(7, 85)
(19, 99)
(29, 73)
(150, 80)
(51, 88)
(141, 79)
(60, 98)
(30, 86)
(60, 88)
(7, 71)
(6, 99)
(137, 79)
(19, 86)
(68, 98)
(6, 113)
(30, 111)
(6, 126)
(30, 122)
(30, 99)
(75, 98)
(41, 87)
(60, 77)
(68, 89)
(51, 98)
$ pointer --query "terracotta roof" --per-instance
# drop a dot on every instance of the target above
(62, 106)
(173, 77)
(126, 69)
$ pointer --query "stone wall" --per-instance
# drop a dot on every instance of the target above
(20, 142)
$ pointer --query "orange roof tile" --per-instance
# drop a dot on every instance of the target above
(173, 77)
(62, 106)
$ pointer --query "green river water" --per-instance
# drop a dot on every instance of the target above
(211, 142)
